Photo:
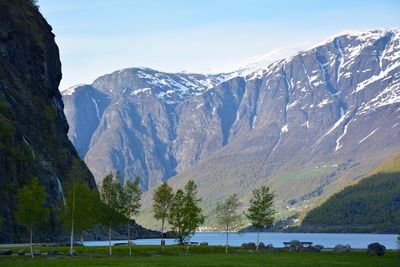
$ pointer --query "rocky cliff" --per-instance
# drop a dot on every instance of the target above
(33, 128)
(306, 125)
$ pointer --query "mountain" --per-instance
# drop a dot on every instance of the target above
(371, 205)
(33, 127)
(306, 125)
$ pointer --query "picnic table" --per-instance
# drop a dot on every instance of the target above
(304, 244)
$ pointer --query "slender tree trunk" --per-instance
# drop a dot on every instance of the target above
(71, 247)
(129, 239)
(226, 244)
(258, 238)
(82, 239)
(109, 240)
(31, 242)
(162, 233)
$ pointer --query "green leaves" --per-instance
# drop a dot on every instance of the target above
(130, 198)
(185, 215)
(227, 213)
(31, 211)
(261, 213)
(162, 198)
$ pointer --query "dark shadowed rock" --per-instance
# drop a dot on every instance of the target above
(52, 252)
(5, 251)
(295, 246)
(342, 248)
(250, 245)
(376, 249)
(21, 252)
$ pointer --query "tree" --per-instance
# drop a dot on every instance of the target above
(130, 203)
(185, 215)
(79, 206)
(228, 216)
(162, 200)
(79, 211)
(110, 194)
(261, 213)
(31, 211)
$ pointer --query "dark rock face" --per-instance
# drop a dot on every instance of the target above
(306, 125)
(33, 128)
(376, 249)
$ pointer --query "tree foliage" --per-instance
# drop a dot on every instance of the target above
(228, 216)
(31, 211)
(162, 200)
(371, 205)
(185, 215)
(261, 212)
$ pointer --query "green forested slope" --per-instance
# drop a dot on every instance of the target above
(371, 205)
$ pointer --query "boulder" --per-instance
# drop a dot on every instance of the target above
(319, 246)
(250, 245)
(376, 249)
(311, 249)
(52, 252)
(342, 248)
(36, 252)
(21, 252)
(261, 245)
(203, 243)
(295, 246)
(72, 253)
(5, 251)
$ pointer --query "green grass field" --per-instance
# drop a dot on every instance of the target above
(199, 256)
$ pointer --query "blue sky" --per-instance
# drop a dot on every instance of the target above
(96, 37)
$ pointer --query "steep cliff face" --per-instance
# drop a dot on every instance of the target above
(33, 128)
(306, 125)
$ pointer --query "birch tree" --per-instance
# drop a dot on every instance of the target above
(261, 212)
(31, 211)
(228, 216)
(162, 200)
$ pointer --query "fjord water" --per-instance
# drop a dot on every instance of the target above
(328, 240)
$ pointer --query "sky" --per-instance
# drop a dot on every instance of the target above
(96, 37)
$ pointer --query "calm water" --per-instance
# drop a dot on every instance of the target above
(277, 239)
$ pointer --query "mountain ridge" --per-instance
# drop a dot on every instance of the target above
(320, 107)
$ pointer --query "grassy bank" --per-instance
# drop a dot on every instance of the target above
(198, 256)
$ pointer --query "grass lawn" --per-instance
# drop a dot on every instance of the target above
(199, 256)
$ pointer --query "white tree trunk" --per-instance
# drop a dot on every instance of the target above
(31, 242)
(109, 240)
(226, 244)
(129, 240)
(162, 233)
(258, 238)
(71, 247)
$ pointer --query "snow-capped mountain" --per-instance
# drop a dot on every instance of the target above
(307, 125)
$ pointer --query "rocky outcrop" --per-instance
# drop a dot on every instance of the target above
(33, 128)
(307, 125)
(376, 249)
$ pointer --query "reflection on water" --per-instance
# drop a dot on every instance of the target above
(276, 239)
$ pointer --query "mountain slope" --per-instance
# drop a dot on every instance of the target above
(33, 128)
(373, 204)
(306, 125)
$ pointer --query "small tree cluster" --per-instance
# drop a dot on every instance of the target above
(181, 209)
(121, 203)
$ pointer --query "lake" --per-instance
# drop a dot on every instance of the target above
(328, 240)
